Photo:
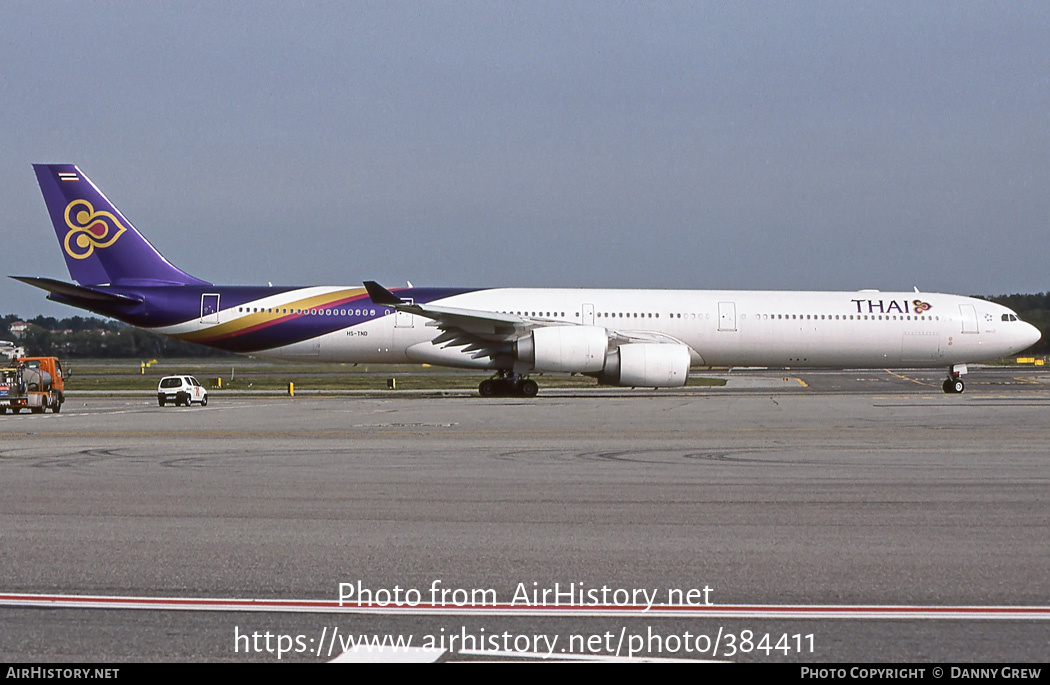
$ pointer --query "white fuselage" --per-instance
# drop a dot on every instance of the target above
(721, 328)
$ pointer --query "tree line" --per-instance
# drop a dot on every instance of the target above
(89, 336)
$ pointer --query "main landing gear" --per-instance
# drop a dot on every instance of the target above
(508, 384)
(953, 385)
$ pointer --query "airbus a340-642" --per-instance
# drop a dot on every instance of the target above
(640, 338)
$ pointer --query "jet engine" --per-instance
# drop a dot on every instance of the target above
(585, 349)
(648, 365)
(575, 349)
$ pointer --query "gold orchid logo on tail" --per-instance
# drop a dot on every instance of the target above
(89, 229)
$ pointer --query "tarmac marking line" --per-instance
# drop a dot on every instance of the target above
(764, 611)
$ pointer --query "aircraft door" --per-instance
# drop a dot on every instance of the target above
(588, 314)
(969, 318)
(727, 316)
(210, 308)
(404, 319)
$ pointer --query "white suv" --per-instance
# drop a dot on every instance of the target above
(181, 390)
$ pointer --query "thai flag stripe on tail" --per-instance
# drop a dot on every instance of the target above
(67, 176)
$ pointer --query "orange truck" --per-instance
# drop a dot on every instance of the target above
(34, 383)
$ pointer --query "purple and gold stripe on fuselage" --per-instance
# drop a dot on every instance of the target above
(273, 316)
(285, 318)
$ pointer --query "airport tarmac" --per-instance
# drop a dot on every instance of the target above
(839, 516)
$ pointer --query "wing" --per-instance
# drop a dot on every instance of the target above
(485, 333)
(479, 332)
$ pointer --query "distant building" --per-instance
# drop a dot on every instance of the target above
(18, 328)
(8, 350)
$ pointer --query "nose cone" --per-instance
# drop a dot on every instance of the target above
(1030, 335)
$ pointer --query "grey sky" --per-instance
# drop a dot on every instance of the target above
(778, 145)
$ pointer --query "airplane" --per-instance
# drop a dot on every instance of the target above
(631, 338)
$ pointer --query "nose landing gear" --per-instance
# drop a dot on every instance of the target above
(954, 384)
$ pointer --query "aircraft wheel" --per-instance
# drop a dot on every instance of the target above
(947, 386)
(528, 388)
(487, 388)
(957, 386)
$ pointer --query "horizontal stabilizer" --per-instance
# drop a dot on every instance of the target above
(78, 291)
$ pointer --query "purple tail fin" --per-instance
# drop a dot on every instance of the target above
(99, 244)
